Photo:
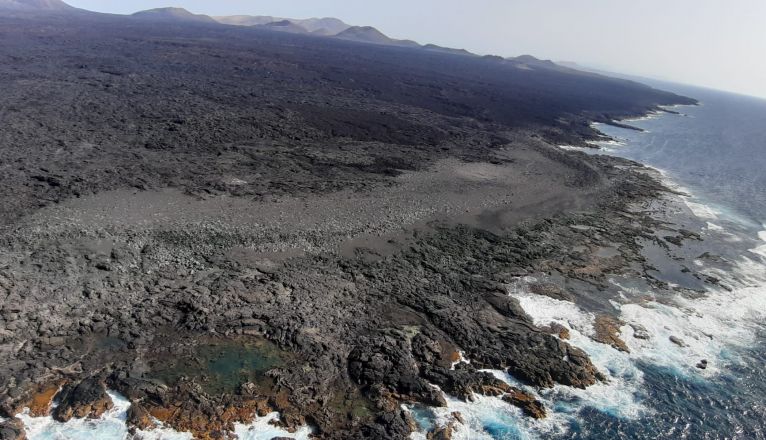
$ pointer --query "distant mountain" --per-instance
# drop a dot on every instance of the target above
(368, 34)
(494, 58)
(532, 61)
(247, 20)
(173, 14)
(319, 26)
(285, 26)
(35, 5)
(523, 62)
(447, 50)
(325, 26)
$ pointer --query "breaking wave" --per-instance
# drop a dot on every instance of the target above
(112, 426)
(681, 334)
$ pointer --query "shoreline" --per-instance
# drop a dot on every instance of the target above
(485, 362)
(750, 222)
(647, 189)
(737, 325)
(624, 330)
(578, 231)
(181, 240)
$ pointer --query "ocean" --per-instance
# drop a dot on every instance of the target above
(715, 153)
(715, 156)
(717, 150)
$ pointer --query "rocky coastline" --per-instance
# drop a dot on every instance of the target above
(300, 243)
(390, 332)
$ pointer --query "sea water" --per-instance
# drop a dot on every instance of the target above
(714, 154)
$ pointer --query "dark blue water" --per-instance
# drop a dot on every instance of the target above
(718, 152)
(730, 406)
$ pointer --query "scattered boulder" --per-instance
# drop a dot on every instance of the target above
(85, 399)
(607, 330)
(640, 332)
(527, 402)
(12, 429)
(678, 341)
(139, 417)
(676, 240)
(465, 381)
(554, 328)
(685, 233)
(506, 305)
(443, 432)
(563, 364)
(550, 290)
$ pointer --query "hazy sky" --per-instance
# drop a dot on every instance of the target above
(714, 43)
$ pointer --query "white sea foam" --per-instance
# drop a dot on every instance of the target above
(709, 327)
(713, 227)
(617, 397)
(700, 210)
(574, 148)
(111, 426)
(263, 429)
(668, 181)
(608, 143)
(648, 117)
(760, 250)
(488, 418)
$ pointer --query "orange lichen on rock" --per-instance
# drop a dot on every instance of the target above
(40, 404)
(607, 330)
(442, 432)
(455, 356)
(139, 417)
(496, 389)
(527, 402)
(204, 422)
(162, 414)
